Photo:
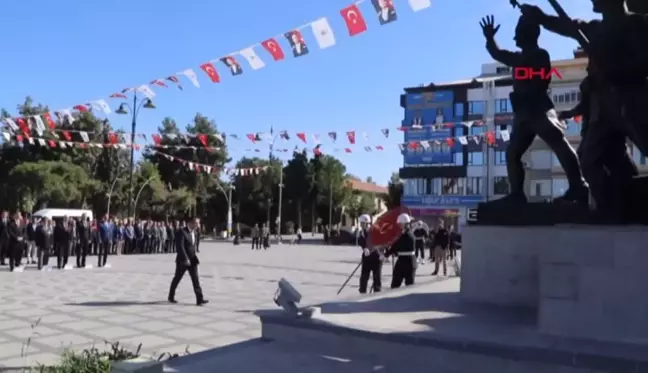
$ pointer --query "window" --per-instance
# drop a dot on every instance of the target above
(476, 107)
(501, 185)
(436, 187)
(421, 186)
(409, 187)
(559, 186)
(458, 159)
(500, 157)
(540, 188)
(474, 186)
(476, 158)
(540, 159)
(503, 106)
(503, 70)
(477, 130)
(459, 109)
(453, 186)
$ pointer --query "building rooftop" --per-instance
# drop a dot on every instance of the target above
(362, 186)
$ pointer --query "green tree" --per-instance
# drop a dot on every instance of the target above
(335, 191)
(394, 192)
(298, 181)
(61, 184)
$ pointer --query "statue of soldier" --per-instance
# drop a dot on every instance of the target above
(534, 111)
(618, 90)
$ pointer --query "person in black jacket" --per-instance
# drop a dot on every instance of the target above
(187, 260)
(16, 230)
(4, 238)
(455, 242)
(440, 246)
(84, 236)
(62, 242)
(44, 238)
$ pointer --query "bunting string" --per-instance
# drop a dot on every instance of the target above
(293, 40)
(199, 167)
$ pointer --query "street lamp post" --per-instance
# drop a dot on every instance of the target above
(125, 108)
(110, 193)
(228, 196)
(140, 192)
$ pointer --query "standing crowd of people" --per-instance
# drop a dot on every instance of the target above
(32, 240)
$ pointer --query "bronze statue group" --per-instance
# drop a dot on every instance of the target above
(614, 97)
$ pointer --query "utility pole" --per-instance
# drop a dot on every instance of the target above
(229, 210)
(270, 164)
(330, 204)
(281, 176)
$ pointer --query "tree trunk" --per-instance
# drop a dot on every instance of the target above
(298, 204)
(313, 230)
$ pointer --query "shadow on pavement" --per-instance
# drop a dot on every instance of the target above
(118, 303)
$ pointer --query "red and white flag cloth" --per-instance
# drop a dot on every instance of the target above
(418, 5)
(191, 75)
(274, 49)
(323, 33)
(211, 72)
(252, 58)
(354, 20)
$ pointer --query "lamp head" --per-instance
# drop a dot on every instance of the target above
(149, 104)
(121, 109)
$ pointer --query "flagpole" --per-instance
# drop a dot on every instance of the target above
(270, 165)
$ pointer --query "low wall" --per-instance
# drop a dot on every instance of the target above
(585, 281)
(500, 264)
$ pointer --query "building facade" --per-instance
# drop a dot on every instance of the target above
(444, 182)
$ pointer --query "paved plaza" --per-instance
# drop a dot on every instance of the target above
(127, 303)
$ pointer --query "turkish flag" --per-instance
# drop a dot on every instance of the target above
(274, 49)
(354, 20)
(210, 70)
(385, 230)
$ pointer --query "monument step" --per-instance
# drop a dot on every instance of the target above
(276, 357)
(430, 326)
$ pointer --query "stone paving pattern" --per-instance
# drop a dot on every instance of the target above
(127, 303)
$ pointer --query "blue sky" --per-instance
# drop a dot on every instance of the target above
(67, 52)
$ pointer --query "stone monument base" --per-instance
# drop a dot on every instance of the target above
(583, 281)
(430, 328)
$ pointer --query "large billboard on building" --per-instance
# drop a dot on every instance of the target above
(428, 108)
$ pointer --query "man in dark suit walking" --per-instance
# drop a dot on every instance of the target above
(186, 260)
(16, 230)
(83, 232)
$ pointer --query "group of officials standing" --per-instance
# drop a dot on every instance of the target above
(35, 240)
(405, 248)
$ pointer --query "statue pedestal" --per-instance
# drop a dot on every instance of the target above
(584, 281)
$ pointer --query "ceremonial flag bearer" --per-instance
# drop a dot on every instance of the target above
(371, 258)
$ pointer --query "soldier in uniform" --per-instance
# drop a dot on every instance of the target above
(403, 248)
(371, 258)
(534, 111)
(611, 170)
(618, 89)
